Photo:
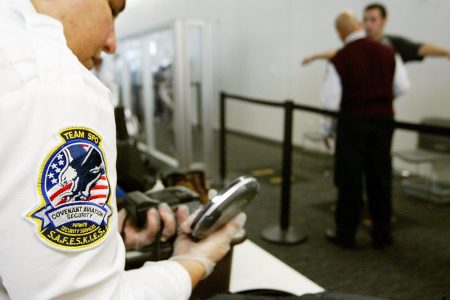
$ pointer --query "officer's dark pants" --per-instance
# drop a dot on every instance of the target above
(363, 153)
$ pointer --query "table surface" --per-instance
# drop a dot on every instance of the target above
(254, 268)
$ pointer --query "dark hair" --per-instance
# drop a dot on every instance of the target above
(378, 6)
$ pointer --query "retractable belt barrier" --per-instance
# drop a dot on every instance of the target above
(283, 232)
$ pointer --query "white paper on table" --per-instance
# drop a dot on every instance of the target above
(254, 268)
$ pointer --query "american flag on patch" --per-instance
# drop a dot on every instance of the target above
(100, 191)
(61, 179)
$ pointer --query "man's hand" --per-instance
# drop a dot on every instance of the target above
(215, 246)
(319, 56)
(307, 60)
(327, 141)
(137, 238)
(199, 258)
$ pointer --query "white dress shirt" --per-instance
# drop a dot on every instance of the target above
(43, 90)
(332, 89)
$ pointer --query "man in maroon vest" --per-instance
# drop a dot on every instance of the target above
(362, 81)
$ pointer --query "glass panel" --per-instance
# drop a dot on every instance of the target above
(145, 73)
(130, 54)
(161, 51)
(195, 57)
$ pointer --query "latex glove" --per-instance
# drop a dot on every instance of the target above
(211, 249)
(137, 238)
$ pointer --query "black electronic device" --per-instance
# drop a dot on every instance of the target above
(137, 203)
(226, 205)
(174, 195)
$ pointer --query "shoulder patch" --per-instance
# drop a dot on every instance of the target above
(75, 193)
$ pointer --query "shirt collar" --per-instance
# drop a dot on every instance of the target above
(357, 35)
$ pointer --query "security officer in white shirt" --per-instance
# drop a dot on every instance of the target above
(59, 234)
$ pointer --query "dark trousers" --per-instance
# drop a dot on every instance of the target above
(363, 160)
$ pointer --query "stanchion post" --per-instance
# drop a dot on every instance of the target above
(287, 167)
(284, 233)
(223, 146)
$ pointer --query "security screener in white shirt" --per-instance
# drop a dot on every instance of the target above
(362, 81)
(59, 222)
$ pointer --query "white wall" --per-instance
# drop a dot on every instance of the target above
(259, 45)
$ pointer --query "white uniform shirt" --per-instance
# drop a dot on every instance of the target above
(332, 90)
(58, 223)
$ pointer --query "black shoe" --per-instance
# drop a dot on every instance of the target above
(345, 242)
(381, 239)
(381, 243)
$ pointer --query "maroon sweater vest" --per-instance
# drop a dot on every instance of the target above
(366, 69)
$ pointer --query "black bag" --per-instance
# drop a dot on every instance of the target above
(134, 172)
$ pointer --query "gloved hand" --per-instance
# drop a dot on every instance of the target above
(210, 250)
(137, 238)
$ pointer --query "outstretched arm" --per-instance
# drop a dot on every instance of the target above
(432, 50)
(319, 56)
